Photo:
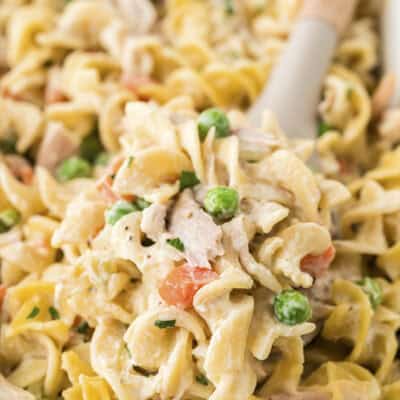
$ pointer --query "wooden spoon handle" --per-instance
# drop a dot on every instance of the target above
(390, 27)
(336, 12)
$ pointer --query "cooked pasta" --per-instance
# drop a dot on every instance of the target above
(150, 250)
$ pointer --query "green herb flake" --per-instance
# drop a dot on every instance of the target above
(372, 289)
(54, 313)
(91, 147)
(8, 145)
(48, 63)
(35, 311)
(140, 370)
(147, 242)
(130, 161)
(127, 350)
(349, 93)
(141, 203)
(162, 324)
(119, 210)
(177, 243)
(228, 6)
(323, 127)
(202, 380)
(83, 328)
(188, 179)
(102, 159)
(8, 219)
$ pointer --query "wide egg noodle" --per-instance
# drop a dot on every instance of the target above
(82, 306)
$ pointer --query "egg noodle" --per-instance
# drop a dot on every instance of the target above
(151, 250)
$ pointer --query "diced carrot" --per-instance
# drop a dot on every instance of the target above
(104, 185)
(134, 84)
(13, 96)
(316, 265)
(41, 246)
(20, 168)
(182, 284)
(3, 291)
(53, 95)
(345, 167)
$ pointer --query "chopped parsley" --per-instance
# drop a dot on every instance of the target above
(54, 313)
(228, 6)
(147, 242)
(141, 370)
(91, 147)
(323, 127)
(8, 145)
(162, 324)
(130, 161)
(119, 210)
(202, 380)
(8, 219)
(83, 328)
(140, 203)
(102, 159)
(349, 92)
(48, 63)
(127, 350)
(35, 311)
(177, 243)
(188, 179)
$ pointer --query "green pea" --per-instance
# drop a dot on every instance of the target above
(292, 307)
(222, 202)
(91, 147)
(213, 117)
(118, 210)
(9, 218)
(372, 289)
(74, 167)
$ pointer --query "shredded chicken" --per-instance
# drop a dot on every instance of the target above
(389, 128)
(56, 146)
(20, 168)
(383, 94)
(11, 392)
(202, 238)
(140, 14)
(236, 232)
(53, 92)
(302, 396)
(153, 221)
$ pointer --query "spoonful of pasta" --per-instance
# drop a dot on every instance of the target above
(294, 88)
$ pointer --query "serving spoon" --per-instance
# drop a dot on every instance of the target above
(388, 92)
(294, 88)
